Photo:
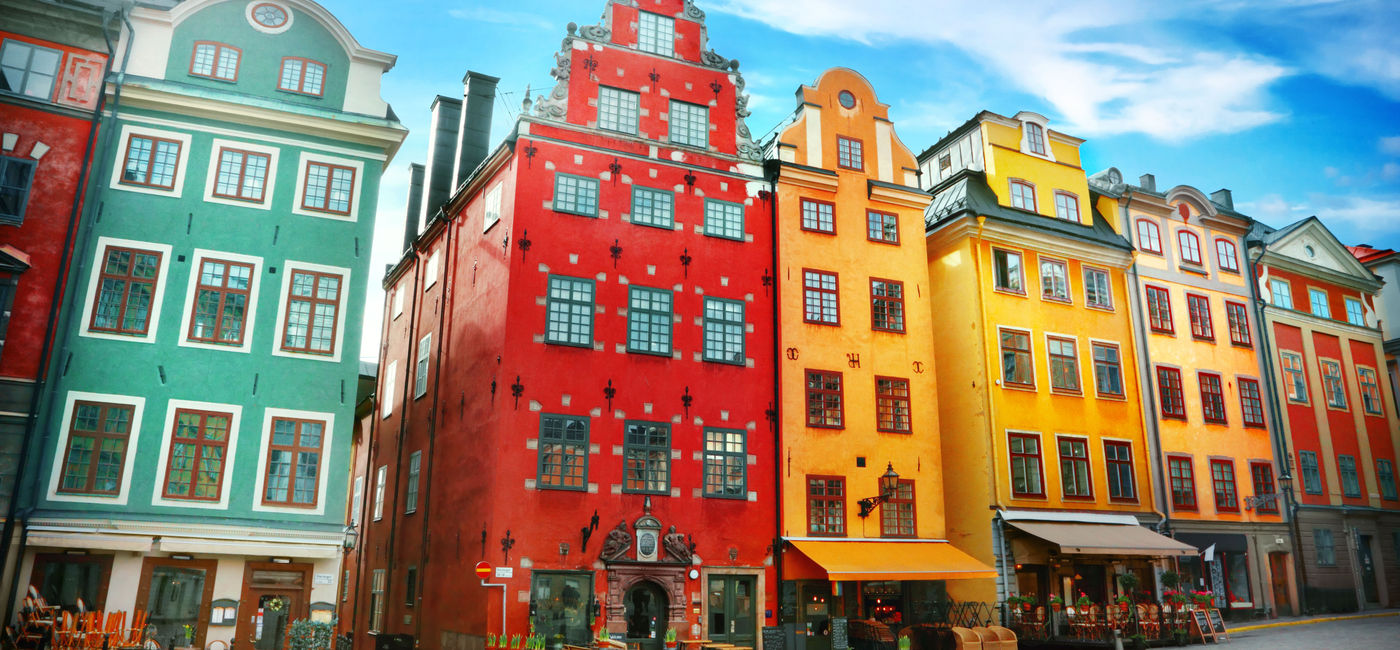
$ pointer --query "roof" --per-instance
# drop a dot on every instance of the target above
(955, 133)
(967, 193)
(1368, 255)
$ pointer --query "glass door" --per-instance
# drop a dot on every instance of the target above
(731, 605)
(174, 602)
(274, 614)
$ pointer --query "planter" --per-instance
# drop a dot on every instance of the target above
(1123, 607)
(1055, 607)
(1025, 607)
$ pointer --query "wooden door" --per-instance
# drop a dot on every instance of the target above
(274, 595)
(1278, 577)
(175, 593)
(732, 610)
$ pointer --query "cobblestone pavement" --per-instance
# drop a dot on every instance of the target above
(1380, 633)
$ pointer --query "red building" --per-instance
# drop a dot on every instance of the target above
(576, 380)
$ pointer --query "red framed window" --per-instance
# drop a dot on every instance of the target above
(1022, 195)
(897, 513)
(215, 60)
(826, 506)
(1370, 391)
(1212, 398)
(151, 162)
(199, 444)
(1035, 138)
(1251, 402)
(95, 456)
(125, 291)
(293, 470)
(1190, 246)
(850, 153)
(1149, 237)
(1066, 206)
(312, 313)
(1016, 359)
(1159, 310)
(1064, 364)
(892, 407)
(1263, 477)
(819, 216)
(882, 227)
(824, 400)
(1118, 461)
(1027, 473)
(1183, 480)
(1238, 315)
(887, 305)
(303, 76)
(1333, 388)
(221, 302)
(1201, 325)
(1054, 279)
(1222, 478)
(1007, 273)
(1226, 256)
(1170, 393)
(820, 297)
(242, 175)
(1075, 480)
(329, 188)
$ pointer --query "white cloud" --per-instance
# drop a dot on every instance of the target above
(1390, 145)
(1390, 171)
(1274, 210)
(1369, 217)
(504, 17)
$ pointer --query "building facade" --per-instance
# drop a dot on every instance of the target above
(1385, 263)
(189, 447)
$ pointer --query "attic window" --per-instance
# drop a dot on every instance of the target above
(847, 99)
(1035, 138)
(269, 15)
(656, 34)
(945, 162)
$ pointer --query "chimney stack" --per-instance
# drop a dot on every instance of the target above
(415, 205)
(474, 127)
(442, 149)
(1148, 182)
(1223, 197)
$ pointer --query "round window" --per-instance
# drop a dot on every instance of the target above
(847, 99)
(270, 15)
(1310, 251)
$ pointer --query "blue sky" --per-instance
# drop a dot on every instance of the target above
(1292, 104)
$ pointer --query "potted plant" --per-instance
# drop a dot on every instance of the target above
(603, 637)
(1180, 636)
(189, 636)
(1202, 598)
(1170, 579)
(515, 642)
(1056, 603)
(306, 634)
(904, 643)
(1139, 641)
(1028, 602)
(1083, 600)
(1123, 602)
(1129, 582)
(671, 638)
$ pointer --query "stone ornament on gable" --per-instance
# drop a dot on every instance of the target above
(692, 12)
(617, 544)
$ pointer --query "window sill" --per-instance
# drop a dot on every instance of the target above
(300, 93)
(1242, 346)
(815, 231)
(1171, 333)
(1066, 392)
(1038, 497)
(581, 346)
(1029, 388)
(1203, 339)
(905, 432)
(576, 214)
(829, 427)
(1124, 500)
(1059, 301)
(1078, 499)
(1111, 397)
(886, 330)
(1009, 292)
(1222, 423)
(883, 241)
(1102, 308)
(822, 322)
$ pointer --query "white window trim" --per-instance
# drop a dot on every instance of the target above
(157, 295)
(421, 370)
(357, 501)
(167, 435)
(1044, 125)
(491, 214)
(250, 317)
(398, 303)
(430, 271)
(269, 184)
(286, 291)
(386, 402)
(380, 483)
(138, 405)
(181, 163)
(265, 449)
(308, 157)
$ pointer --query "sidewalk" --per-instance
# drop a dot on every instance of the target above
(1285, 621)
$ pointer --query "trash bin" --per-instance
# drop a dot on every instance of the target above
(393, 642)
(967, 639)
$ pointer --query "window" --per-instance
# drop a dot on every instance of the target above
(1332, 387)
(27, 69)
(618, 110)
(887, 305)
(818, 216)
(221, 302)
(1006, 271)
(656, 34)
(1201, 325)
(376, 601)
(1016, 358)
(570, 311)
(1118, 460)
(398, 303)
(1183, 481)
(1263, 478)
(410, 586)
(563, 452)
(576, 195)
(1251, 402)
(897, 514)
(1190, 247)
(197, 452)
(1097, 290)
(215, 61)
(1239, 324)
(294, 464)
(1054, 280)
(16, 176)
(125, 291)
(649, 320)
(1225, 256)
(491, 213)
(379, 478)
(726, 464)
(386, 399)
(724, 219)
(882, 227)
(1222, 476)
(850, 153)
(824, 400)
(151, 162)
(415, 468)
(724, 331)
(646, 451)
(242, 175)
(1326, 551)
(1170, 393)
(1212, 398)
(1317, 300)
(420, 371)
(1295, 381)
(357, 501)
(1108, 370)
(1026, 473)
(1370, 391)
(826, 506)
(302, 76)
(653, 208)
(1023, 195)
(96, 451)
(1356, 314)
(1351, 483)
(312, 313)
(690, 124)
(329, 188)
(1280, 293)
(821, 301)
(892, 412)
(1312, 475)
(1149, 237)
(1385, 477)
(1035, 138)
(1064, 364)
(1075, 481)
(1066, 206)
(1159, 310)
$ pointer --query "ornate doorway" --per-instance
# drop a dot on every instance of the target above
(646, 611)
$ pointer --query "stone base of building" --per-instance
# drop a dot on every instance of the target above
(1351, 558)
(1250, 569)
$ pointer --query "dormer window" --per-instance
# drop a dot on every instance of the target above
(302, 76)
(656, 34)
(215, 61)
(1035, 138)
(1022, 195)
(1066, 206)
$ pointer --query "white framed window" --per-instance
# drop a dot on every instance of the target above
(221, 301)
(656, 34)
(28, 69)
(1035, 136)
(150, 161)
(492, 213)
(293, 474)
(386, 399)
(689, 124)
(618, 110)
(415, 468)
(357, 501)
(1066, 206)
(398, 303)
(188, 461)
(126, 289)
(328, 187)
(420, 373)
(1317, 301)
(379, 477)
(242, 174)
(311, 311)
(1280, 293)
(63, 462)
(430, 271)
(1356, 314)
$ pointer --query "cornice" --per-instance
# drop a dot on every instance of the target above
(903, 197)
(1276, 260)
(996, 231)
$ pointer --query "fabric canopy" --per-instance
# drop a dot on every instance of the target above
(891, 560)
(1105, 539)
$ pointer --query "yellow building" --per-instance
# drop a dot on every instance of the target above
(1037, 367)
(862, 516)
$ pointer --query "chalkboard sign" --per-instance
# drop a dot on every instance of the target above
(1217, 626)
(839, 640)
(1201, 621)
(774, 637)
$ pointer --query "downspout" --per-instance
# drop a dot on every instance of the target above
(773, 172)
(47, 365)
(998, 533)
(1159, 505)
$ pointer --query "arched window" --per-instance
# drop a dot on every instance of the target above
(1022, 195)
(1149, 237)
(1225, 256)
(1035, 138)
(1190, 246)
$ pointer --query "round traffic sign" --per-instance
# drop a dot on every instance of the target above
(483, 569)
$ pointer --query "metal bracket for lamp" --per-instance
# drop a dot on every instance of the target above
(889, 485)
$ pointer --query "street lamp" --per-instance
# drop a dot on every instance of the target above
(349, 541)
(889, 485)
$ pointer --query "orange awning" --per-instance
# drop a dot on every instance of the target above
(890, 560)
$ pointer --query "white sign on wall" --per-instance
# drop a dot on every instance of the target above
(324, 579)
(505, 572)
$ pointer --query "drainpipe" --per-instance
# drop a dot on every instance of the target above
(409, 375)
(774, 170)
(1000, 546)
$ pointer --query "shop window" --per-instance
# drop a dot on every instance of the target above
(1317, 302)
(1006, 271)
(1016, 359)
(1066, 206)
(897, 513)
(563, 453)
(1351, 482)
(1118, 460)
(1263, 478)
(1159, 310)
(892, 407)
(562, 602)
(1075, 479)
(1326, 550)
(1190, 247)
(1237, 578)
(1054, 280)
(294, 463)
(1108, 370)
(724, 331)
(1251, 402)
(826, 506)
(16, 177)
(1212, 398)
(1026, 471)
(1385, 477)
(1333, 388)
(1222, 477)
(689, 124)
(302, 76)
(1312, 474)
(887, 305)
(824, 400)
(1149, 237)
(724, 219)
(1280, 293)
(1202, 327)
(1370, 391)
(819, 216)
(882, 227)
(1295, 380)
(95, 455)
(215, 61)
(570, 311)
(198, 449)
(1023, 195)
(1064, 364)
(1356, 314)
(649, 320)
(1097, 290)
(126, 291)
(656, 33)
(221, 302)
(646, 453)
(726, 463)
(618, 110)
(28, 69)
(576, 195)
(820, 298)
(1170, 394)
(1225, 256)
(62, 580)
(415, 469)
(1183, 483)
(850, 153)
(1239, 324)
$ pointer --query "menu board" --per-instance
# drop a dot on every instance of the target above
(1201, 621)
(839, 640)
(773, 637)
(1217, 626)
